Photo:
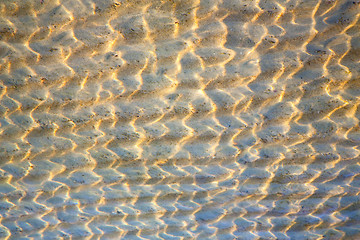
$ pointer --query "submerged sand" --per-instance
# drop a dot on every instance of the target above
(179, 119)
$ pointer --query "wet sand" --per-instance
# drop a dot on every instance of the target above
(179, 119)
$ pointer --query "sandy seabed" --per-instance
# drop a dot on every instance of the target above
(179, 119)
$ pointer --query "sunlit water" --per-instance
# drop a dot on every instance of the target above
(179, 119)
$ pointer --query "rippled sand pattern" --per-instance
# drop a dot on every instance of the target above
(179, 119)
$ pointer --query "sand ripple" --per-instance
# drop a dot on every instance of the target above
(181, 119)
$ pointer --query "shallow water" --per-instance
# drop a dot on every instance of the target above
(198, 119)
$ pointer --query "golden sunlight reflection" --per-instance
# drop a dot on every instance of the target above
(126, 119)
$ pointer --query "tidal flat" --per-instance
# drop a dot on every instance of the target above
(179, 119)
